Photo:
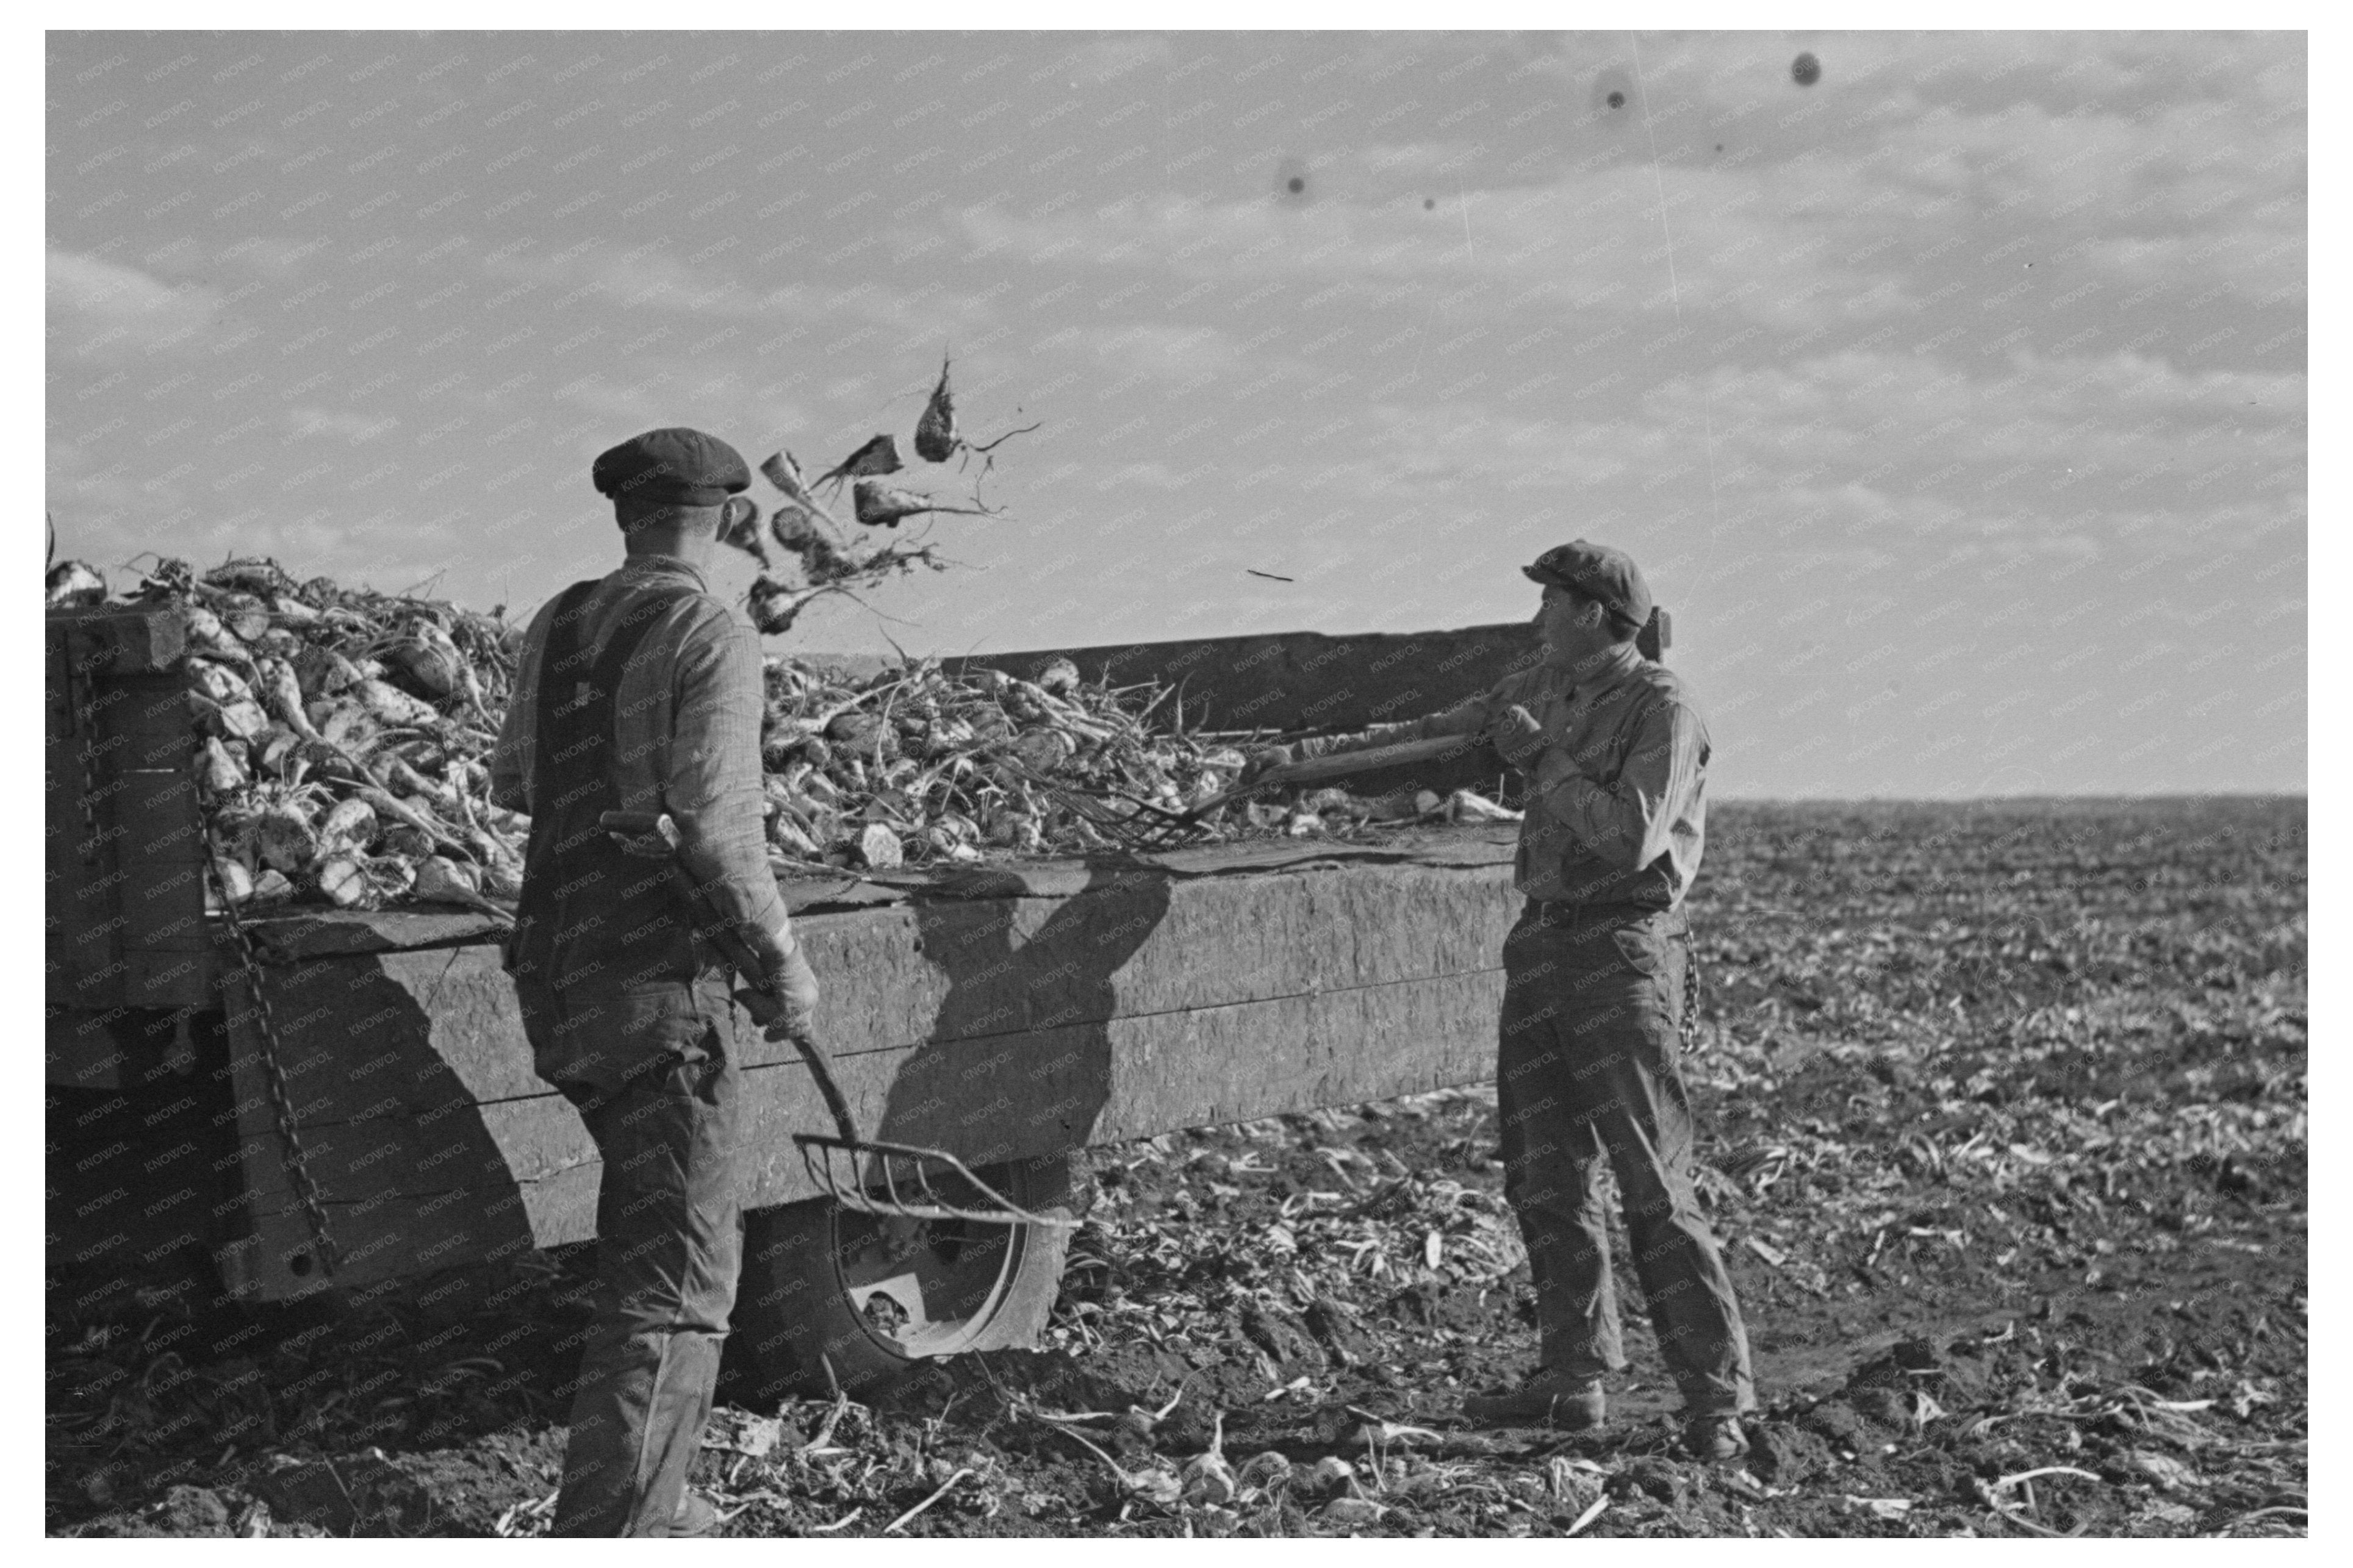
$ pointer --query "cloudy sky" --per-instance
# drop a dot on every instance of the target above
(1955, 402)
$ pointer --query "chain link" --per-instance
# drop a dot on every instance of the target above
(79, 688)
(1689, 1025)
(273, 1073)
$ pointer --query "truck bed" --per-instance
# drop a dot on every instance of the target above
(999, 1012)
(1004, 1011)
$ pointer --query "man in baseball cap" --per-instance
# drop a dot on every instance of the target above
(639, 692)
(1615, 754)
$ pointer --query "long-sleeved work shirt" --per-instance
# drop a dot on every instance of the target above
(1617, 814)
(687, 741)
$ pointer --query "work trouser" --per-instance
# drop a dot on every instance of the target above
(655, 1081)
(1587, 1081)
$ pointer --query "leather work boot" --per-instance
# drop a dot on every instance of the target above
(1543, 1399)
(1716, 1439)
(695, 1516)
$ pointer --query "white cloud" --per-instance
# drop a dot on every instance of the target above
(1161, 349)
(102, 310)
(1108, 59)
(644, 280)
(351, 428)
(636, 402)
(275, 257)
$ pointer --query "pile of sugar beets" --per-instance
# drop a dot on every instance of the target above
(341, 741)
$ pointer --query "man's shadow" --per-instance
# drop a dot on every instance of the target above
(1017, 1063)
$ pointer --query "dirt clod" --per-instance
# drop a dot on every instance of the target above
(361, 1494)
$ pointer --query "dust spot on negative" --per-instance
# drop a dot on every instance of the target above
(1613, 90)
(1291, 179)
(1430, 203)
(1805, 70)
(1294, 185)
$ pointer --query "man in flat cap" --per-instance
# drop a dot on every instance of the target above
(1586, 1075)
(639, 691)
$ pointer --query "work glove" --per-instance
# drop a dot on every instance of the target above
(1257, 760)
(786, 1002)
(1515, 734)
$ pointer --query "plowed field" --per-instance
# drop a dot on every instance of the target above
(2005, 1133)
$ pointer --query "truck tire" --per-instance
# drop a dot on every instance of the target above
(831, 1298)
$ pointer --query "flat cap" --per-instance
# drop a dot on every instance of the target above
(680, 466)
(1597, 572)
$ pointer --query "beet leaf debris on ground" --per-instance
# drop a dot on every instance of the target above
(2006, 1129)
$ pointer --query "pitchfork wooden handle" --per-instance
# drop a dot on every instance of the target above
(1338, 766)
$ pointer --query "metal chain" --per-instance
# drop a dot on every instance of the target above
(1689, 1023)
(273, 1073)
(79, 688)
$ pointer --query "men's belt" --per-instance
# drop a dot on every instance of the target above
(1556, 911)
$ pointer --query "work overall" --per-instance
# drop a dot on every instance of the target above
(1587, 1085)
(627, 1019)
(1589, 1077)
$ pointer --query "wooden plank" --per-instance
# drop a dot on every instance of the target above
(382, 1231)
(81, 938)
(1451, 847)
(1009, 1098)
(999, 1028)
(1440, 847)
(122, 639)
(396, 1234)
(988, 1101)
(147, 723)
(826, 894)
(172, 979)
(168, 944)
(120, 1048)
(287, 936)
(1300, 681)
(293, 935)
(290, 935)
(163, 906)
(122, 830)
(84, 1050)
(430, 1028)
(462, 1145)
(81, 935)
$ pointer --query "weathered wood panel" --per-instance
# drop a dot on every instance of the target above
(82, 940)
(288, 935)
(998, 1028)
(394, 1235)
(1300, 681)
(462, 1175)
(122, 639)
(464, 1145)
(163, 906)
(149, 722)
(119, 1048)
(125, 899)
(419, 1031)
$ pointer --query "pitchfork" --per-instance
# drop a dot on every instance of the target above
(891, 1166)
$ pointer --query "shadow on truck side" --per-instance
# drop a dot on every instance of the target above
(1018, 1062)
